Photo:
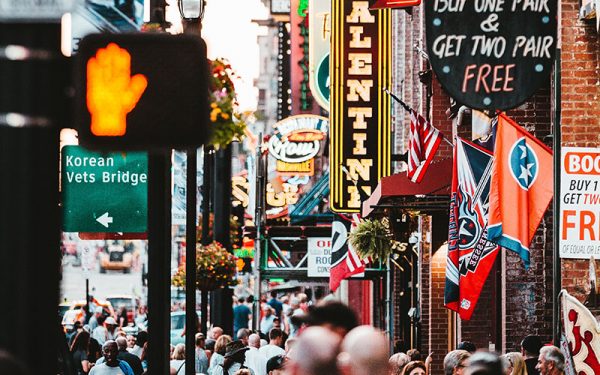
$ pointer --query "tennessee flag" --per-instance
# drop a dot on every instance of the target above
(521, 187)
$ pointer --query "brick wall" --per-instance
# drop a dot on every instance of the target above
(580, 108)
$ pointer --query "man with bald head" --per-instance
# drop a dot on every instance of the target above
(132, 360)
(364, 351)
(111, 365)
(254, 359)
(315, 353)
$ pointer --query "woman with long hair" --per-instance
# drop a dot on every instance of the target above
(515, 364)
(218, 356)
(80, 351)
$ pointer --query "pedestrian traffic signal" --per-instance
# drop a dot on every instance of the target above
(142, 91)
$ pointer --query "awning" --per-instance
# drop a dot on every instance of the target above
(399, 188)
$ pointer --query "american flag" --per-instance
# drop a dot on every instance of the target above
(344, 260)
(422, 145)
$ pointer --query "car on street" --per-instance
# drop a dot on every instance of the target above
(70, 317)
(177, 325)
(106, 306)
(115, 257)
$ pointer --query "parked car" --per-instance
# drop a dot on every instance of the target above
(63, 307)
(177, 325)
(70, 317)
(106, 306)
(115, 257)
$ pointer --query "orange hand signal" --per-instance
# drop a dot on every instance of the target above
(111, 91)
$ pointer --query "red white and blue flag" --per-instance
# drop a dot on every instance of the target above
(423, 143)
(344, 260)
(521, 187)
(471, 255)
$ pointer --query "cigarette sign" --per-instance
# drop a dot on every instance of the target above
(580, 203)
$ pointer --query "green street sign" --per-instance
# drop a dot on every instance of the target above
(104, 192)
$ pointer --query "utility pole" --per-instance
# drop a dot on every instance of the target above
(192, 27)
(159, 242)
(33, 108)
(222, 302)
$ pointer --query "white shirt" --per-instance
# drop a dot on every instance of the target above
(268, 352)
(178, 365)
(266, 324)
(255, 361)
(104, 369)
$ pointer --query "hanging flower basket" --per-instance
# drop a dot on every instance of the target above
(227, 123)
(372, 239)
(216, 268)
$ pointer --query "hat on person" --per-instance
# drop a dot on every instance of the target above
(98, 310)
(110, 321)
(276, 363)
(532, 344)
(234, 348)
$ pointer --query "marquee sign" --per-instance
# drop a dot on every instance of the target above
(319, 35)
(360, 110)
(296, 142)
(491, 54)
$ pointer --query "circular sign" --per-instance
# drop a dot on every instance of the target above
(323, 78)
(491, 54)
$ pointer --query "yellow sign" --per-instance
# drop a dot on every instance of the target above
(111, 90)
(360, 114)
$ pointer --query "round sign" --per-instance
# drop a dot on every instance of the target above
(491, 54)
(323, 78)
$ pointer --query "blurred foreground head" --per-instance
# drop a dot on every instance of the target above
(315, 353)
(364, 351)
(484, 363)
(332, 315)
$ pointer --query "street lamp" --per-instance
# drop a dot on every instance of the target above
(191, 10)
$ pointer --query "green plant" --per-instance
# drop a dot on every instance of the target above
(228, 124)
(372, 239)
(216, 268)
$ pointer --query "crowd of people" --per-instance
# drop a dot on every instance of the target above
(298, 338)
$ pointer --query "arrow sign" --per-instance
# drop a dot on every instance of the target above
(105, 219)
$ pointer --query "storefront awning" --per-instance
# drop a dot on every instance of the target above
(435, 184)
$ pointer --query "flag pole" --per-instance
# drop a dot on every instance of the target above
(408, 109)
(556, 261)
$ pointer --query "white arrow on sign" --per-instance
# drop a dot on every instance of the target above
(105, 219)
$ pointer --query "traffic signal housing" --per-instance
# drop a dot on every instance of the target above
(142, 91)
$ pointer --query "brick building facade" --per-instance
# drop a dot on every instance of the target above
(515, 301)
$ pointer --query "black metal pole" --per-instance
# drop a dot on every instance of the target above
(221, 301)
(32, 109)
(556, 263)
(191, 319)
(87, 298)
(206, 238)
(206, 194)
(159, 260)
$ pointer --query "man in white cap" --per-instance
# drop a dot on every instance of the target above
(105, 330)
